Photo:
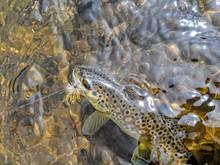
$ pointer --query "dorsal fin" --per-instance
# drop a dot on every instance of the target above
(134, 92)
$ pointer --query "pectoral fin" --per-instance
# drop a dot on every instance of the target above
(134, 92)
(94, 122)
(142, 153)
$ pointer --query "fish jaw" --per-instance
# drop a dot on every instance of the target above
(73, 94)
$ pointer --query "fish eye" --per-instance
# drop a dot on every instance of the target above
(86, 84)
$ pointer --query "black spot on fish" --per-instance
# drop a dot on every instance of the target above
(127, 112)
(149, 126)
(194, 60)
(164, 91)
(171, 86)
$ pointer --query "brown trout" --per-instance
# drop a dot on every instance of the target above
(112, 101)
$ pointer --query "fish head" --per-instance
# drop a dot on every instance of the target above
(97, 87)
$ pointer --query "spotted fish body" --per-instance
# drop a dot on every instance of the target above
(111, 99)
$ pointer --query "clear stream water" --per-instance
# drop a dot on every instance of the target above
(168, 47)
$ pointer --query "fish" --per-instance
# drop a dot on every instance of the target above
(113, 101)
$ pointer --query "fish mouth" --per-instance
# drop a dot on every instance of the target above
(72, 75)
(71, 80)
(73, 88)
(73, 94)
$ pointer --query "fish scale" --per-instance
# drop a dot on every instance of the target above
(113, 102)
